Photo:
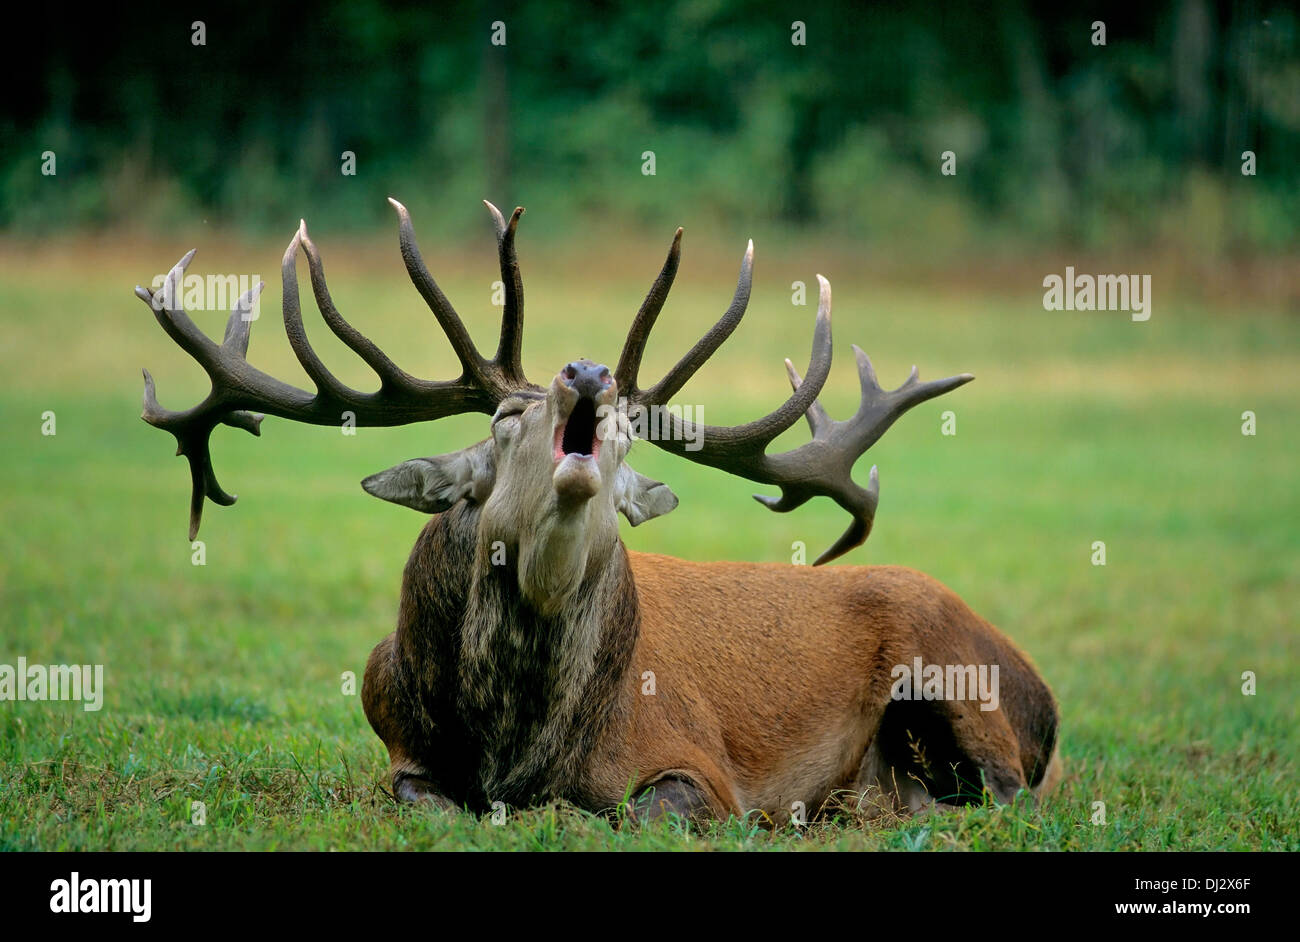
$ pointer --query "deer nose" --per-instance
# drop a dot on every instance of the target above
(586, 378)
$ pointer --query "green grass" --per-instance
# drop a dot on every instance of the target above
(224, 681)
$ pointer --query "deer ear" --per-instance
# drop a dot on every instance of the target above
(432, 485)
(640, 499)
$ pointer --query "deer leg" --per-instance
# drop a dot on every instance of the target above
(989, 743)
(671, 796)
(412, 782)
(412, 788)
(942, 753)
(1013, 746)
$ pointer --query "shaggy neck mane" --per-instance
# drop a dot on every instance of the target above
(516, 699)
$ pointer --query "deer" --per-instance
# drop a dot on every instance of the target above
(537, 659)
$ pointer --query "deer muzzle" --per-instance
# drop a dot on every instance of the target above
(583, 393)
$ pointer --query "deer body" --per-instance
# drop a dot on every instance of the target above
(536, 658)
(746, 686)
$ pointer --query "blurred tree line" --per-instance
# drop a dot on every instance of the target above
(1053, 136)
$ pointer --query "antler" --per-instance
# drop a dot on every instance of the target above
(238, 387)
(822, 466)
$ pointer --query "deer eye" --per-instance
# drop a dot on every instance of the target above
(506, 423)
(508, 410)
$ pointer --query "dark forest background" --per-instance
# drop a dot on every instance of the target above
(1138, 141)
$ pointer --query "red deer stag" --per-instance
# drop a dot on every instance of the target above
(535, 658)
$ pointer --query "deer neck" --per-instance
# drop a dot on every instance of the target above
(534, 685)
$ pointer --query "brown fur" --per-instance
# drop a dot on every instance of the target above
(772, 686)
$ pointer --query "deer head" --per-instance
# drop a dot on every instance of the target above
(551, 477)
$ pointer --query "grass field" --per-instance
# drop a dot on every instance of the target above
(223, 682)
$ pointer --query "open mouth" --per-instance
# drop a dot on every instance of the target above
(577, 436)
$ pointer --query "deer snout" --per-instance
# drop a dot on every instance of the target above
(586, 378)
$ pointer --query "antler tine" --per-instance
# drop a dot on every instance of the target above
(178, 325)
(816, 415)
(510, 348)
(448, 319)
(390, 375)
(629, 361)
(741, 445)
(839, 484)
(238, 387)
(240, 325)
(326, 382)
(878, 408)
(824, 465)
(192, 435)
(707, 345)
(838, 445)
(168, 312)
(861, 504)
(192, 428)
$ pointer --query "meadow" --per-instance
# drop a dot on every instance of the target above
(224, 682)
